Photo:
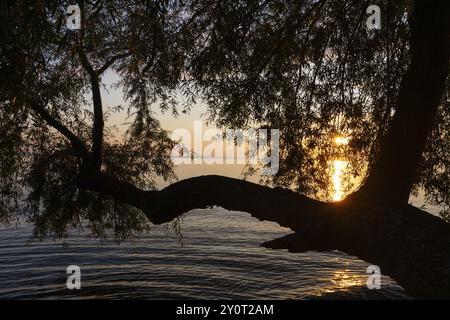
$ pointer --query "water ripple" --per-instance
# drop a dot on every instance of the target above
(220, 259)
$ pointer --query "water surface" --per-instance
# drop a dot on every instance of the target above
(220, 259)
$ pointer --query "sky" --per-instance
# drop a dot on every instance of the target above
(112, 97)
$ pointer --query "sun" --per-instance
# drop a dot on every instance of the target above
(341, 140)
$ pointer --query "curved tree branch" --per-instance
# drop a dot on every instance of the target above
(97, 130)
(283, 206)
(78, 146)
(110, 62)
(408, 244)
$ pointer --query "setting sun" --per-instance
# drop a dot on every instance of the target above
(340, 140)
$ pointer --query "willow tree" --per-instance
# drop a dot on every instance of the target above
(310, 68)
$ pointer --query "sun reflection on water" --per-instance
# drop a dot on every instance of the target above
(344, 280)
(338, 169)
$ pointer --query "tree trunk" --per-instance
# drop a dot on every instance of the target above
(393, 174)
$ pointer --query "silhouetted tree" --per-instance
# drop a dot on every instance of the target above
(310, 68)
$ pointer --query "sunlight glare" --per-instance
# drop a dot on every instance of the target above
(340, 140)
(338, 170)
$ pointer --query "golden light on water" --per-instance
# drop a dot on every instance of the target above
(344, 279)
(339, 167)
(338, 171)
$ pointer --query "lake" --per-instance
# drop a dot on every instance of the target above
(220, 258)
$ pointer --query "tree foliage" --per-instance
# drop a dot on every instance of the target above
(310, 68)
